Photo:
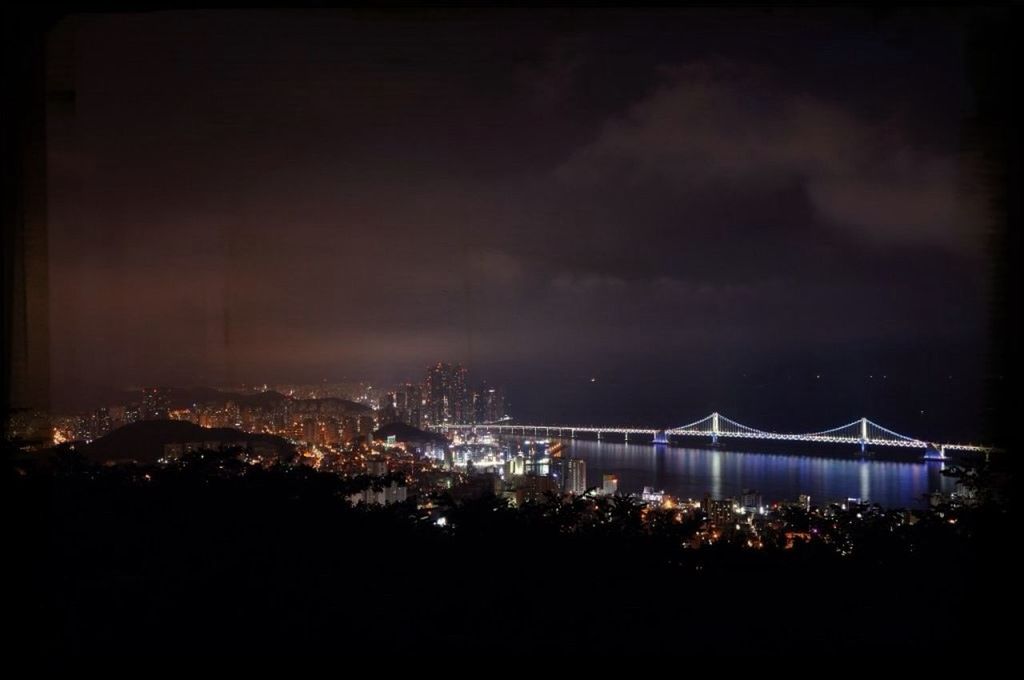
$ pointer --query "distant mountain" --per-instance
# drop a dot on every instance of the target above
(267, 399)
(351, 407)
(145, 440)
(184, 397)
(407, 433)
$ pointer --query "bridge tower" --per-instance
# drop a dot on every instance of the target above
(714, 428)
(660, 438)
(863, 434)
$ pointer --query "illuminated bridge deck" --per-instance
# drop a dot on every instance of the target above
(861, 432)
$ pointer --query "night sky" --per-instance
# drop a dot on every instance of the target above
(776, 215)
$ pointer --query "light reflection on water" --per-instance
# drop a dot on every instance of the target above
(690, 473)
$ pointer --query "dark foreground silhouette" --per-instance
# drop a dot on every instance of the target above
(215, 557)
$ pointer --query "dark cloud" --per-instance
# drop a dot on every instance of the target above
(676, 197)
(730, 129)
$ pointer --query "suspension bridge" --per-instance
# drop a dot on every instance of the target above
(861, 432)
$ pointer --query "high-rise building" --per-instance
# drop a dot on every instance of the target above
(310, 431)
(118, 416)
(99, 423)
(387, 412)
(751, 501)
(446, 395)
(409, 403)
(650, 495)
(574, 476)
(349, 428)
(515, 467)
(132, 413)
(720, 513)
(155, 404)
(610, 485)
(488, 404)
(395, 493)
(532, 488)
(476, 406)
(365, 426)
